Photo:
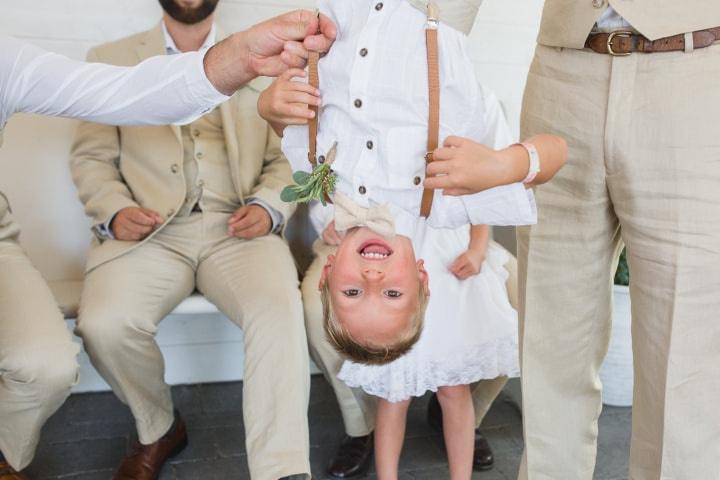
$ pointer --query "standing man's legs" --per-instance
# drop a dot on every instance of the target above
(644, 147)
(664, 178)
(255, 284)
(566, 266)
(38, 363)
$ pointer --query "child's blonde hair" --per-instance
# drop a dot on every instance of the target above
(366, 353)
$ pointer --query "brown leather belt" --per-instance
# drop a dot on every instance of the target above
(624, 42)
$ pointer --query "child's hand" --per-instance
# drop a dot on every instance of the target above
(468, 264)
(462, 167)
(286, 102)
(331, 236)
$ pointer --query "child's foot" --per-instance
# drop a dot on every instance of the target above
(352, 457)
(483, 458)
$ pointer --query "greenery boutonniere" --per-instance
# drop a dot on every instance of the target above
(318, 185)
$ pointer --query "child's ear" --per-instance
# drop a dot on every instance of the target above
(424, 277)
(326, 271)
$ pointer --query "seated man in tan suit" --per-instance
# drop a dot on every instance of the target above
(182, 208)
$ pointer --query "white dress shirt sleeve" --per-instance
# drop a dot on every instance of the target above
(160, 90)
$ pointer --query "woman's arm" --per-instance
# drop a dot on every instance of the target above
(463, 167)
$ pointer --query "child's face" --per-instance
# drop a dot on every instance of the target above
(374, 285)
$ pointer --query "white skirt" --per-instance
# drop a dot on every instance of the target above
(470, 333)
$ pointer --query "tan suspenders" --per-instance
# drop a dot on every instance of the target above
(433, 65)
(431, 38)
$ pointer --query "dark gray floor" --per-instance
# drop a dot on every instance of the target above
(87, 438)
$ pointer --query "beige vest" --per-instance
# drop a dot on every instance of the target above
(206, 166)
(567, 23)
(459, 14)
(8, 228)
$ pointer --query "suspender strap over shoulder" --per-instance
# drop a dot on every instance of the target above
(433, 66)
(313, 80)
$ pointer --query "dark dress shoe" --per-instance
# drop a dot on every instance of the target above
(483, 458)
(352, 457)
(145, 461)
(9, 473)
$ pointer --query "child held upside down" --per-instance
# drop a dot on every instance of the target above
(374, 128)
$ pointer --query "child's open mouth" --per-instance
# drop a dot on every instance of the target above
(375, 250)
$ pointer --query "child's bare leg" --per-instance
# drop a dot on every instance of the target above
(458, 428)
(389, 435)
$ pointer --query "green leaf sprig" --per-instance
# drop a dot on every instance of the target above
(318, 185)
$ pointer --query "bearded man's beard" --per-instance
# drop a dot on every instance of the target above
(189, 16)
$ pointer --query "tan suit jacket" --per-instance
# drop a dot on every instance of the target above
(567, 23)
(118, 167)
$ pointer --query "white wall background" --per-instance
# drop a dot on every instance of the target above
(33, 162)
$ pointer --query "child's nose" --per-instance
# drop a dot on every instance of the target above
(373, 274)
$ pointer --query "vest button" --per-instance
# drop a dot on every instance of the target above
(363, 52)
(199, 155)
(370, 145)
(321, 159)
(417, 180)
(362, 190)
(379, 6)
(357, 103)
(175, 168)
(598, 3)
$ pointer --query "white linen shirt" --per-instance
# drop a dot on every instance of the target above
(158, 91)
(610, 20)
(375, 106)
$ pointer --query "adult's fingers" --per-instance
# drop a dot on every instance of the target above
(141, 217)
(324, 40)
(444, 153)
(297, 49)
(243, 223)
(439, 167)
(453, 141)
(154, 215)
(291, 60)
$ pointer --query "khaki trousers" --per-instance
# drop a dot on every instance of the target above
(358, 409)
(38, 363)
(254, 283)
(644, 171)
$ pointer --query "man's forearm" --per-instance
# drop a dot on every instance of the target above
(227, 64)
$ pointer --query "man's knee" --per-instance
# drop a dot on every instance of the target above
(51, 367)
(105, 326)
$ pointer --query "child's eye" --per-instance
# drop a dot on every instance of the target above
(351, 292)
(393, 294)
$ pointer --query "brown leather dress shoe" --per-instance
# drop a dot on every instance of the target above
(483, 458)
(352, 457)
(145, 461)
(9, 473)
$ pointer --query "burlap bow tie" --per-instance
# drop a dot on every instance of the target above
(349, 214)
(458, 14)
